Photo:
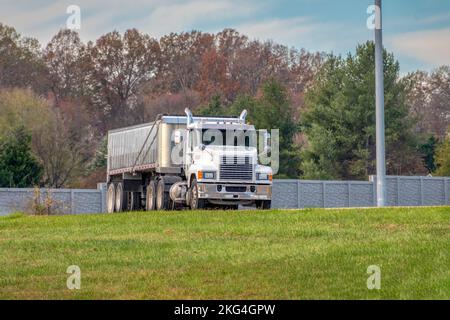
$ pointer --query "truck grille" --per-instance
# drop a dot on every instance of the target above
(236, 168)
(235, 188)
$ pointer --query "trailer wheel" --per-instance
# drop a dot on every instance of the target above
(194, 202)
(120, 198)
(150, 199)
(110, 198)
(162, 197)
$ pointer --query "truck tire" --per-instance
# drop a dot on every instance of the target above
(121, 199)
(162, 197)
(134, 199)
(194, 202)
(110, 198)
(263, 204)
(150, 199)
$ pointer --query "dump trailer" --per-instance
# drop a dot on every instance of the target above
(185, 161)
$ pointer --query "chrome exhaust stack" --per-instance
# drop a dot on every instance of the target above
(190, 117)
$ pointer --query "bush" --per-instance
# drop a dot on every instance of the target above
(42, 206)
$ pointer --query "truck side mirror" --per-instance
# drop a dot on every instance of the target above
(264, 141)
(177, 136)
(267, 142)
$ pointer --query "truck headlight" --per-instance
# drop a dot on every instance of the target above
(209, 175)
(264, 176)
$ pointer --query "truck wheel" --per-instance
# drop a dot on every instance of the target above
(150, 200)
(195, 202)
(263, 204)
(162, 198)
(134, 199)
(110, 198)
(120, 197)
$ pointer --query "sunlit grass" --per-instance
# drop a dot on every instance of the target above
(293, 254)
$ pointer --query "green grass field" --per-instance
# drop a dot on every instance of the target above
(301, 254)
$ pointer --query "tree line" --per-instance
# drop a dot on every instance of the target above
(57, 102)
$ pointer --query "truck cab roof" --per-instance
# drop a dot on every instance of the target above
(210, 122)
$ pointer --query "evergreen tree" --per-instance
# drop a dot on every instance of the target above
(428, 150)
(340, 119)
(214, 108)
(274, 111)
(18, 166)
(270, 111)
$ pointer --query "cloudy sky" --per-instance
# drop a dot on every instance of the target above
(417, 31)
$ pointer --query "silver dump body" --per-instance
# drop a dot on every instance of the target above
(139, 148)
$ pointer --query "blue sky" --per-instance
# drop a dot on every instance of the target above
(417, 31)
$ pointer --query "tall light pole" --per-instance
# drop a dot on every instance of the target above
(379, 103)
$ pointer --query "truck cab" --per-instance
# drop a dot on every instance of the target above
(187, 161)
(221, 163)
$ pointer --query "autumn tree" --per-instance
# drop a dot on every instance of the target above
(58, 133)
(250, 67)
(22, 107)
(64, 146)
(214, 79)
(21, 63)
(150, 104)
(250, 63)
(229, 64)
(68, 65)
(229, 41)
(180, 63)
(428, 98)
(120, 65)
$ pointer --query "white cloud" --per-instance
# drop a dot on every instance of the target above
(443, 17)
(286, 31)
(305, 32)
(42, 19)
(35, 21)
(159, 17)
(156, 17)
(186, 15)
(431, 47)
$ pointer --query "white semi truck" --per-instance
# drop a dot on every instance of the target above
(187, 161)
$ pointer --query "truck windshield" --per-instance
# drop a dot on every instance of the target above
(222, 137)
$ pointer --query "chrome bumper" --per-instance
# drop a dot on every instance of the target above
(209, 191)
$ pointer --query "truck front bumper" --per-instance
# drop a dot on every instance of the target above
(235, 192)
